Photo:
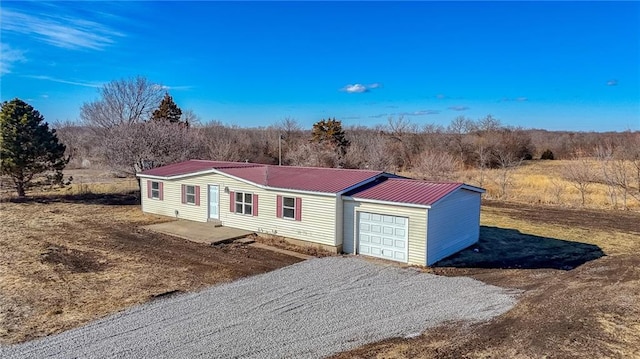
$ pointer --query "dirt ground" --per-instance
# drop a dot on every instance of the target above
(68, 260)
(580, 270)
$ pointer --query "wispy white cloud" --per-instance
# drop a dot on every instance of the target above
(60, 30)
(421, 113)
(380, 115)
(167, 88)
(516, 99)
(360, 88)
(9, 56)
(612, 82)
(68, 82)
(355, 88)
(441, 96)
(458, 108)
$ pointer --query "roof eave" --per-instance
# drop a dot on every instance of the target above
(377, 201)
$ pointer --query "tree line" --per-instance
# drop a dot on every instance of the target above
(135, 125)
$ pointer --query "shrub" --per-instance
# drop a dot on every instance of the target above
(547, 155)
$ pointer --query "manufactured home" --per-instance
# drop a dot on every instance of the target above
(371, 213)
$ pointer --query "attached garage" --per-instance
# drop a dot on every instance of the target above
(410, 221)
(383, 236)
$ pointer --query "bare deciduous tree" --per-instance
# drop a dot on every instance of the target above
(313, 154)
(436, 165)
(125, 101)
(141, 146)
(580, 174)
(403, 134)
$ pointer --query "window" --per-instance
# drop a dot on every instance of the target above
(155, 190)
(244, 203)
(289, 207)
(190, 194)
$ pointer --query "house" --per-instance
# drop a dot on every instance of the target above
(371, 213)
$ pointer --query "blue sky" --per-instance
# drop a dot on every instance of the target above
(552, 65)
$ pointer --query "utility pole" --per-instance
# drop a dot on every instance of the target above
(280, 149)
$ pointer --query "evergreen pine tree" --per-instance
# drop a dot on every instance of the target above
(330, 132)
(27, 146)
(167, 111)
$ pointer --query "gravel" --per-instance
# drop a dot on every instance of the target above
(308, 310)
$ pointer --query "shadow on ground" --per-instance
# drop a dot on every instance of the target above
(114, 199)
(509, 248)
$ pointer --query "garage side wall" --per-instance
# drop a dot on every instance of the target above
(417, 226)
(454, 224)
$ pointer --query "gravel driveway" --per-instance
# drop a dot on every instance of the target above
(308, 310)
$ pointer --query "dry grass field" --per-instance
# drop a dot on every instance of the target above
(542, 182)
(70, 256)
(68, 259)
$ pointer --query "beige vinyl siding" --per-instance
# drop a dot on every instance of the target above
(454, 224)
(318, 214)
(417, 226)
(172, 201)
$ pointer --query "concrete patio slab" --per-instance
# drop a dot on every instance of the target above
(200, 232)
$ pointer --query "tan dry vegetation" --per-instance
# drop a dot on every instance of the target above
(542, 182)
(68, 259)
(580, 270)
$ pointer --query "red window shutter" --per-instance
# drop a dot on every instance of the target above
(298, 209)
(197, 195)
(161, 184)
(255, 205)
(184, 195)
(232, 201)
(279, 207)
(148, 189)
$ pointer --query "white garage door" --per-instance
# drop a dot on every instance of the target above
(383, 236)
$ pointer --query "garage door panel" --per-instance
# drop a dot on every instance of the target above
(383, 236)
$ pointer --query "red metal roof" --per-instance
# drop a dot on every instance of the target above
(408, 191)
(328, 180)
(192, 166)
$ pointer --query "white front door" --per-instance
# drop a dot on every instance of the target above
(383, 236)
(214, 202)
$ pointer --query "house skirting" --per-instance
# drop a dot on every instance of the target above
(301, 243)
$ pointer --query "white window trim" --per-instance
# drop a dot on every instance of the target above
(155, 193)
(288, 207)
(244, 204)
(187, 194)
